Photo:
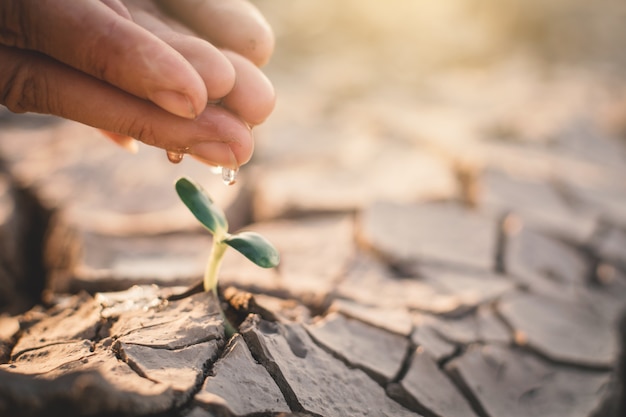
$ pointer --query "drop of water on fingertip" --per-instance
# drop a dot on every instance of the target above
(229, 175)
(175, 157)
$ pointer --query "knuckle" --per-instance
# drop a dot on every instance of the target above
(92, 59)
(14, 23)
(141, 130)
(98, 51)
(23, 90)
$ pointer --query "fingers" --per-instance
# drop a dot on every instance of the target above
(101, 41)
(234, 24)
(216, 71)
(107, 45)
(32, 82)
(251, 96)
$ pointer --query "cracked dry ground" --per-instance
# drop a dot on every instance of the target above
(422, 285)
(428, 308)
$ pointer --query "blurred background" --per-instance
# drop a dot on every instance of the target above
(402, 41)
(414, 99)
(351, 48)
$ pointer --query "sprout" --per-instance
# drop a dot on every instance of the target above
(252, 245)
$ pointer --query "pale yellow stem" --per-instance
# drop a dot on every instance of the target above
(213, 265)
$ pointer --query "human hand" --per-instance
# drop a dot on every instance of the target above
(137, 69)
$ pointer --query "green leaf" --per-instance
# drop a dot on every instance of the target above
(255, 247)
(201, 205)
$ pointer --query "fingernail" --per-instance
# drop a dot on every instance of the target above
(233, 160)
(215, 153)
(175, 103)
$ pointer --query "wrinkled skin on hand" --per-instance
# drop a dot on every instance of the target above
(182, 75)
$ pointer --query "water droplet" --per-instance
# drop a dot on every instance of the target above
(175, 157)
(229, 175)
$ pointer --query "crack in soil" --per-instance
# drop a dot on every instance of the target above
(519, 342)
(207, 370)
(15, 356)
(396, 393)
(379, 379)
(120, 354)
(464, 389)
(259, 354)
(29, 270)
(406, 362)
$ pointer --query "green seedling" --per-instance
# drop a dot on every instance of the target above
(252, 245)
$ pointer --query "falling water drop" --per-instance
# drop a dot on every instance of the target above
(175, 157)
(229, 175)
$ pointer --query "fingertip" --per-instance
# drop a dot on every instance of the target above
(215, 69)
(259, 45)
(237, 25)
(263, 49)
(253, 96)
(256, 43)
(175, 103)
(220, 135)
(221, 79)
(242, 151)
(222, 154)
